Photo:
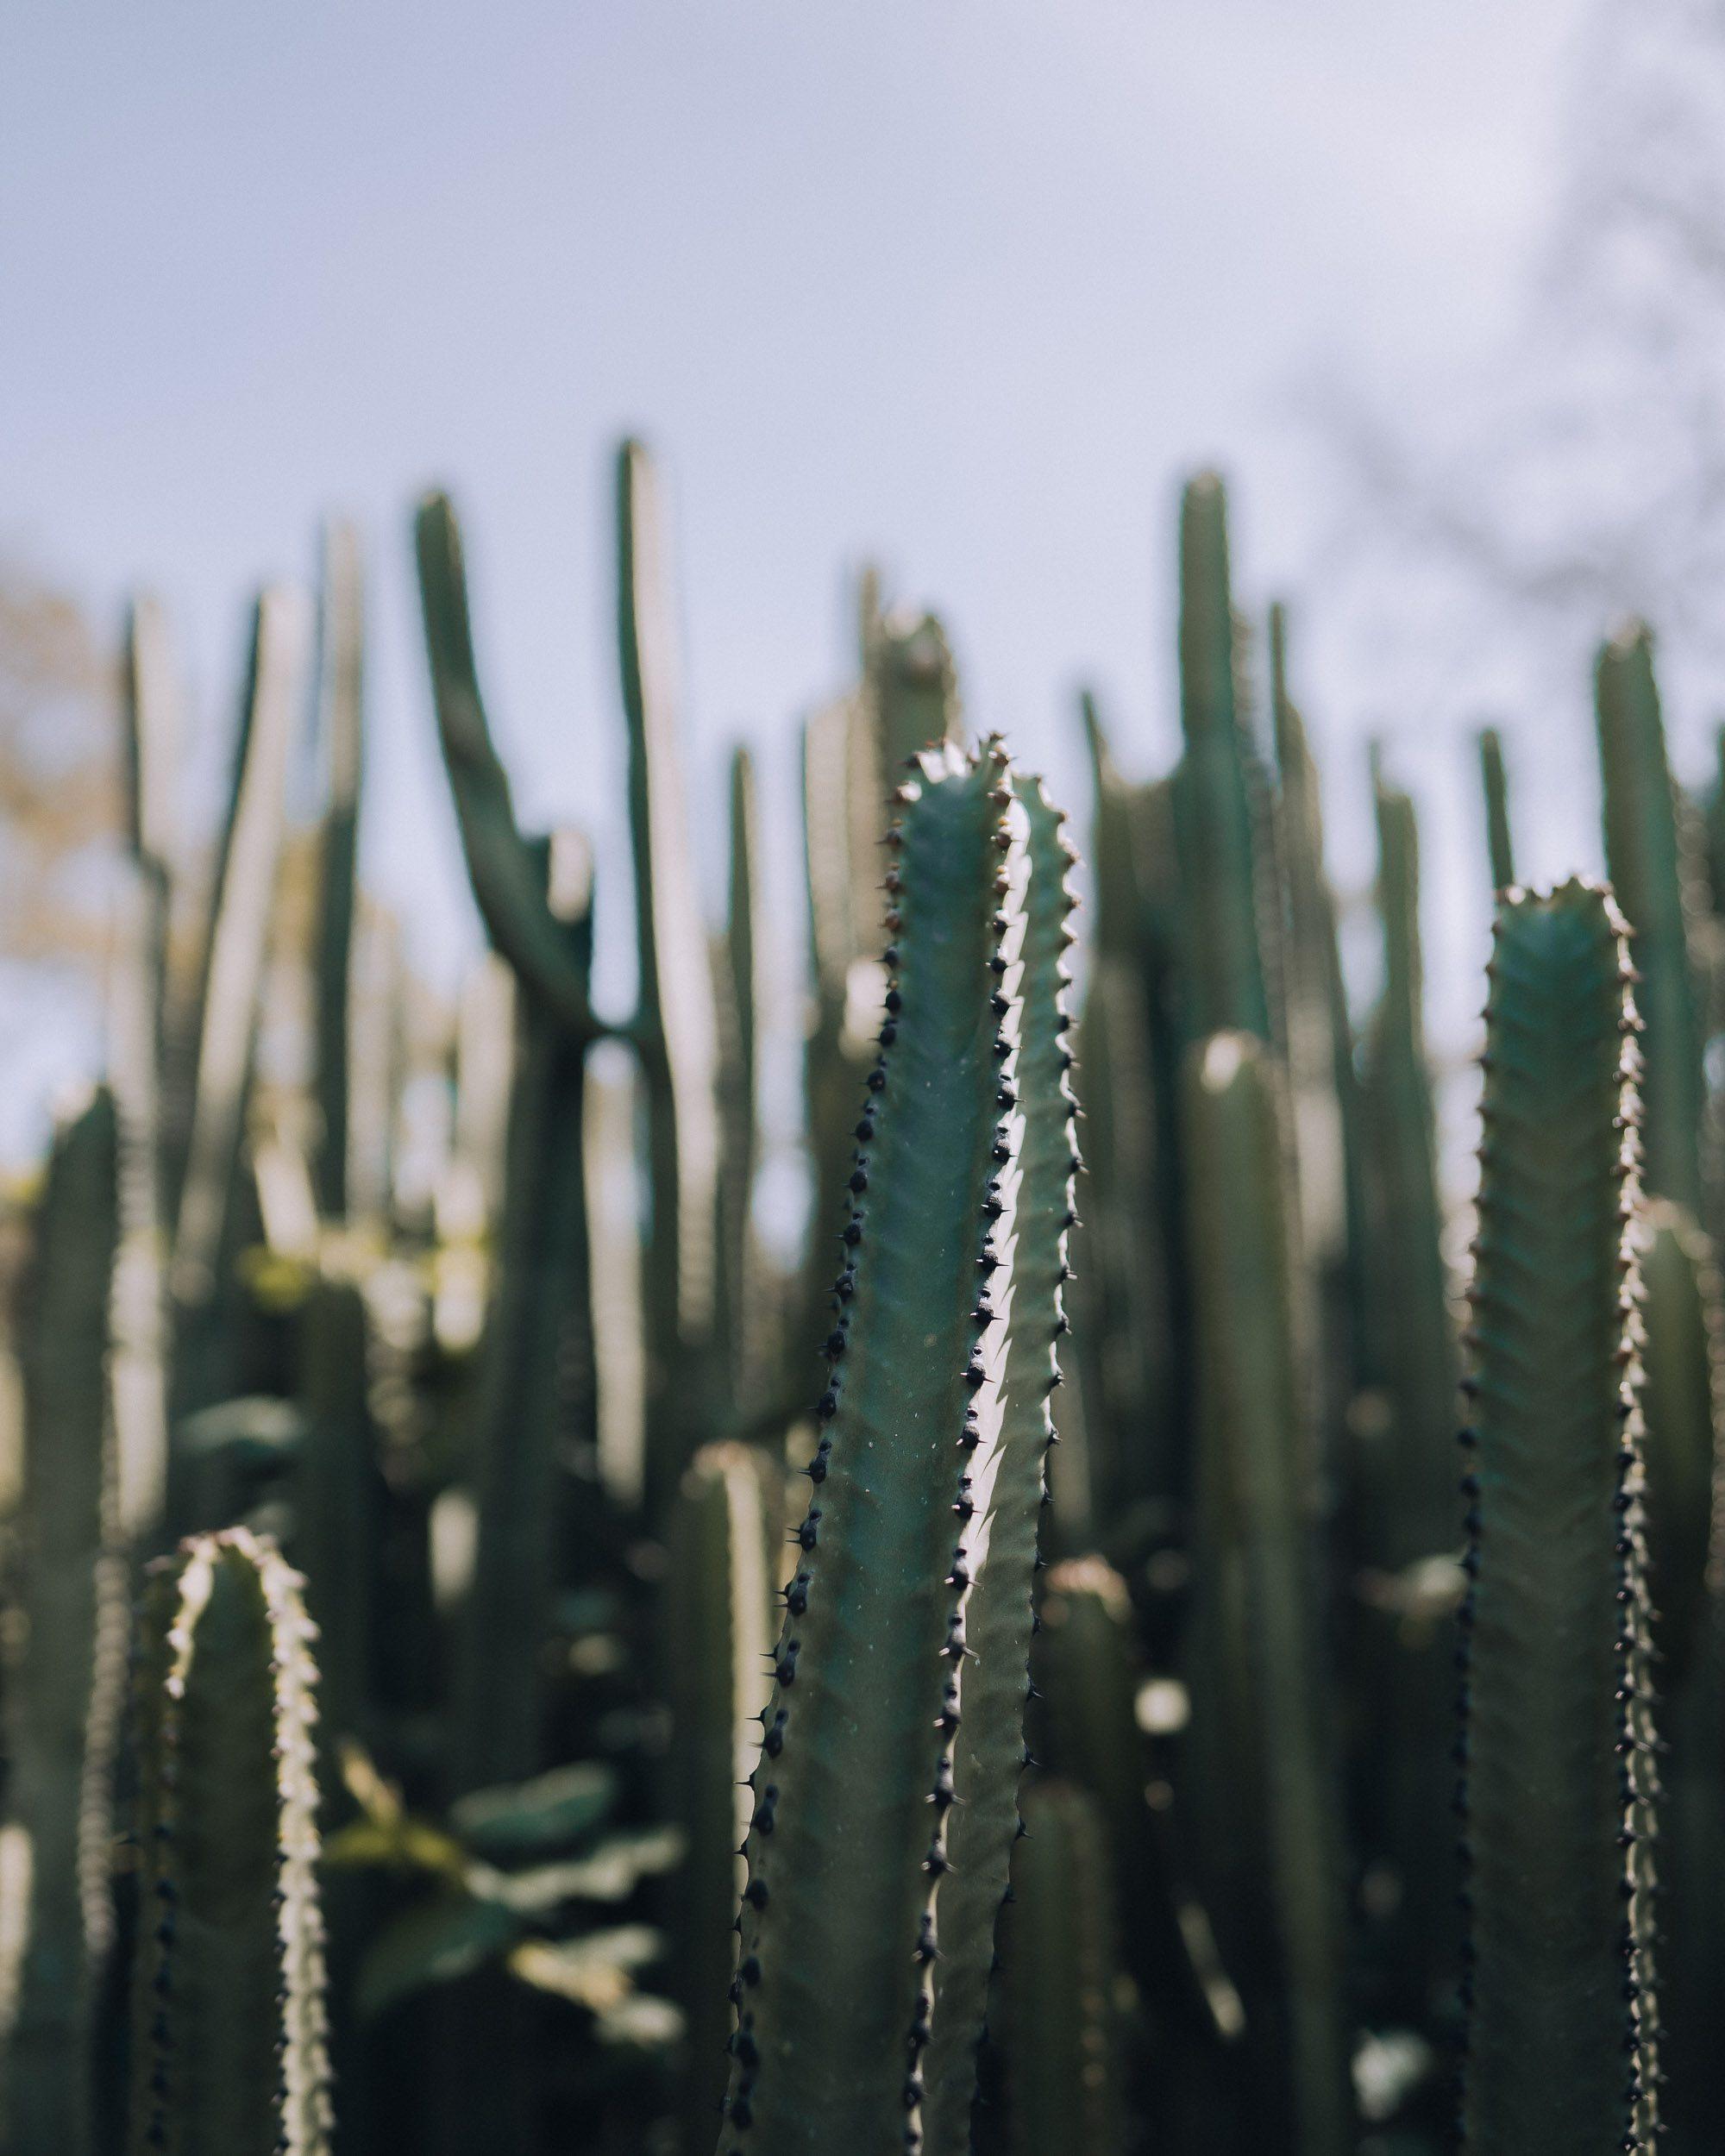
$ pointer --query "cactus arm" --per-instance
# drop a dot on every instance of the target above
(675, 1026)
(1254, 1398)
(741, 1312)
(998, 1619)
(229, 2055)
(1557, 1788)
(833, 1912)
(912, 687)
(508, 881)
(337, 1512)
(1681, 1399)
(538, 1405)
(1649, 857)
(239, 925)
(1221, 872)
(52, 1697)
(1495, 786)
(1065, 2071)
(342, 691)
(726, 1560)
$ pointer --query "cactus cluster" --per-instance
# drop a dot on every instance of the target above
(973, 1678)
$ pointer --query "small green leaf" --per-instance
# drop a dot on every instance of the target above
(553, 1811)
(436, 1942)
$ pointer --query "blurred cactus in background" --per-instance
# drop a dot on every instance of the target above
(979, 1672)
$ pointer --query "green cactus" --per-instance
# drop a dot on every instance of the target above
(1060, 1982)
(1558, 1786)
(726, 1563)
(342, 713)
(675, 1028)
(1500, 850)
(911, 686)
(1681, 1403)
(228, 1004)
(227, 2027)
(1651, 856)
(1264, 1500)
(742, 1318)
(58, 1793)
(847, 1859)
(1217, 822)
(336, 1502)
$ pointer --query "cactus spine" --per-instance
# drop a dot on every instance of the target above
(229, 2054)
(846, 1856)
(1558, 1786)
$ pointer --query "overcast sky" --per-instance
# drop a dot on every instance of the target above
(964, 284)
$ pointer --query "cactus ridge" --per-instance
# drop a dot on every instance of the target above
(230, 2054)
(1004, 1488)
(874, 1648)
(1557, 1787)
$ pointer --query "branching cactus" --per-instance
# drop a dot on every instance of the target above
(1557, 1788)
(900, 1675)
(229, 2055)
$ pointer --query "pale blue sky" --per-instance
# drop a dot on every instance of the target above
(963, 283)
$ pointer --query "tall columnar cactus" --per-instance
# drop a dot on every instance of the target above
(1681, 1399)
(728, 1563)
(1061, 2026)
(1262, 1494)
(1652, 859)
(228, 2028)
(337, 1509)
(911, 685)
(899, 1675)
(342, 705)
(674, 1031)
(1221, 840)
(1558, 1790)
(232, 973)
(1495, 786)
(1412, 1348)
(535, 898)
(58, 1790)
(742, 1325)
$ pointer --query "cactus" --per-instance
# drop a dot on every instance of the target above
(911, 685)
(228, 2036)
(58, 1791)
(726, 1552)
(1500, 850)
(1060, 1982)
(676, 1030)
(1680, 1400)
(336, 1493)
(1558, 1787)
(743, 1321)
(1222, 871)
(341, 701)
(846, 1858)
(234, 954)
(1263, 1495)
(1651, 856)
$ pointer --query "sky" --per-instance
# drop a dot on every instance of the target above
(964, 286)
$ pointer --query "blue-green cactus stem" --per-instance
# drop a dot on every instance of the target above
(1495, 786)
(58, 1795)
(911, 685)
(1681, 1400)
(1256, 1418)
(229, 2053)
(1007, 1484)
(728, 1562)
(1558, 1790)
(338, 1501)
(508, 877)
(743, 1314)
(1062, 2019)
(1220, 864)
(844, 1849)
(675, 1028)
(1652, 859)
(341, 701)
